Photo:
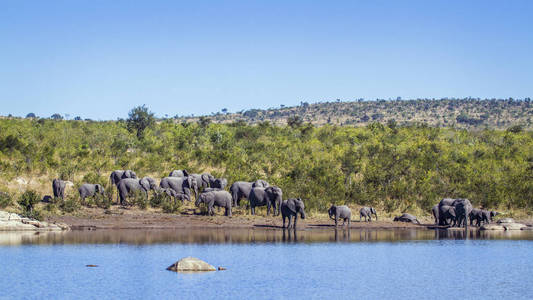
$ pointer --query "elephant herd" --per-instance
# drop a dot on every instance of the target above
(180, 185)
(207, 189)
(457, 212)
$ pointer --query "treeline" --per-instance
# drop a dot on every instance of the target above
(467, 113)
(388, 166)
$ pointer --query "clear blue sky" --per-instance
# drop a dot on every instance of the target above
(98, 59)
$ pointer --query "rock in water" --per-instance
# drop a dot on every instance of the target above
(492, 227)
(513, 226)
(191, 264)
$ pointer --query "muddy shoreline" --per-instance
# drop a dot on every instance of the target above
(138, 219)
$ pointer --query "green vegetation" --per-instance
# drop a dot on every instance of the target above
(387, 165)
(465, 113)
(27, 202)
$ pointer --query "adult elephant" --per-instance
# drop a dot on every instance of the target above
(270, 196)
(367, 212)
(290, 209)
(215, 198)
(242, 189)
(337, 212)
(117, 175)
(463, 208)
(181, 185)
(131, 185)
(90, 190)
(58, 187)
(445, 213)
(178, 173)
(480, 216)
(219, 183)
(202, 182)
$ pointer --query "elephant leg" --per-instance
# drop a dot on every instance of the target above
(336, 221)
(349, 221)
(283, 217)
(295, 221)
(289, 226)
(268, 209)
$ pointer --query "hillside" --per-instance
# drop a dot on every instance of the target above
(457, 113)
(390, 167)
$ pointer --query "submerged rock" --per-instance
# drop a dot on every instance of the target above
(191, 264)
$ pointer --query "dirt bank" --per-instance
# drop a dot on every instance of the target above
(119, 218)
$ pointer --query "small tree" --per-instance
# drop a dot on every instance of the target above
(31, 115)
(140, 118)
(27, 201)
(204, 121)
(295, 121)
(56, 117)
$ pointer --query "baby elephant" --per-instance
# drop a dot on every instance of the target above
(406, 218)
(290, 208)
(175, 195)
(340, 212)
(215, 198)
(367, 212)
(90, 190)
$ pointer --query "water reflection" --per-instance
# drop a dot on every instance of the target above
(250, 235)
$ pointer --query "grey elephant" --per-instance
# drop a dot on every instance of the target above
(406, 218)
(150, 181)
(290, 209)
(117, 175)
(131, 185)
(202, 181)
(178, 173)
(480, 216)
(340, 212)
(219, 183)
(270, 196)
(58, 187)
(242, 189)
(435, 212)
(493, 214)
(463, 209)
(447, 215)
(173, 194)
(90, 190)
(215, 198)
(182, 185)
(367, 212)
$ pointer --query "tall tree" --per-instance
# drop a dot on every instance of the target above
(140, 118)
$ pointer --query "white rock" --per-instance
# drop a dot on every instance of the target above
(513, 226)
(21, 181)
(492, 227)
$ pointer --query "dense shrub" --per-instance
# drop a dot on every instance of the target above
(5, 199)
(27, 202)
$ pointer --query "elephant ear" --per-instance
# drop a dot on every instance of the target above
(144, 184)
(291, 205)
(185, 173)
(452, 211)
(97, 188)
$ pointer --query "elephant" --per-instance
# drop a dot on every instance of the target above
(90, 190)
(131, 185)
(181, 185)
(480, 215)
(269, 196)
(367, 212)
(173, 194)
(178, 173)
(463, 208)
(150, 181)
(340, 212)
(447, 212)
(118, 175)
(407, 218)
(240, 189)
(219, 183)
(58, 186)
(215, 198)
(435, 212)
(290, 209)
(260, 183)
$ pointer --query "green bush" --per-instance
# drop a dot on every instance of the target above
(27, 202)
(69, 204)
(5, 199)
(140, 199)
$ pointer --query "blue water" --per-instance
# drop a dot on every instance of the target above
(424, 269)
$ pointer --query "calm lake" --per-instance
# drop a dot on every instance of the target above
(268, 264)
